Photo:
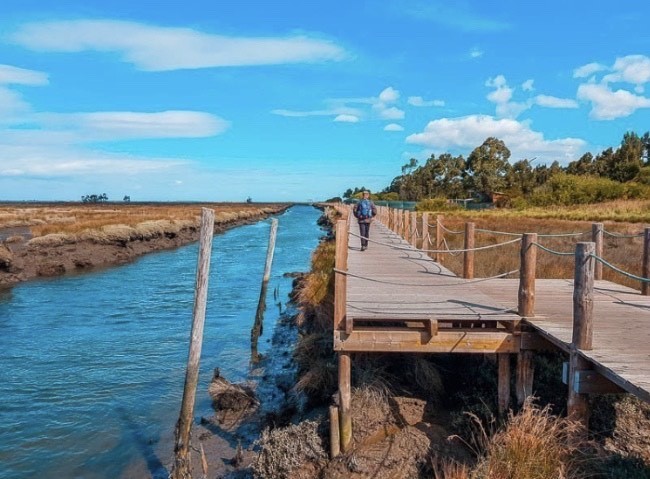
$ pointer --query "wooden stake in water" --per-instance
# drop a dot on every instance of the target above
(256, 332)
(182, 464)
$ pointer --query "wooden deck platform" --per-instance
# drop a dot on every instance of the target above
(401, 300)
(621, 328)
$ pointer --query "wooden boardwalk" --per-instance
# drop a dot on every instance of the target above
(389, 285)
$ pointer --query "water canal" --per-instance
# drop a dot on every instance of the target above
(92, 366)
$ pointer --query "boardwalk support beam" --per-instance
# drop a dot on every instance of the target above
(504, 383)
(345, 397)
(525, 375)
(583, 304)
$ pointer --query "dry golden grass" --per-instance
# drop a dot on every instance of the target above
(624, 253)
(105, 221)
(533, 444)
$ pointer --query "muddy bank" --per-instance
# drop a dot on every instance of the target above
(22, 258)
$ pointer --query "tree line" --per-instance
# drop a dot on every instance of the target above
(487, 173)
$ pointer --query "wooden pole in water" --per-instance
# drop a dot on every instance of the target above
(182, 463)
(257, 329)
(270, 250)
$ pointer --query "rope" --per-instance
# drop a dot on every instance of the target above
(551, 235)
(548, 250)
(478, 315)
(444, 240)
(619, 235)
(448, 230)
(409, 248)
(459, 282)
(620, 271)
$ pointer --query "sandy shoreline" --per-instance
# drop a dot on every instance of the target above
(22, 258)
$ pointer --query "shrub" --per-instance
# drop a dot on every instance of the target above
(437, 204)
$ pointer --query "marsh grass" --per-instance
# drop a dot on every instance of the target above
(533, 444)
(74, 219)
(624, 253)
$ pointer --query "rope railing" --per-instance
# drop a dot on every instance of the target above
(408, 248)
(417, 285)
(541, 235)
(549, 250)
(620, 235)
(619, 270)
(444, 241)
(447, 230)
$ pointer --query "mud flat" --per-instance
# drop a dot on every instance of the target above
(54, 239)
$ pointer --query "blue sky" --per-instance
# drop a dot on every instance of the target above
(299, 100)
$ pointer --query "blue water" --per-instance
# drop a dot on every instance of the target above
(92, 366)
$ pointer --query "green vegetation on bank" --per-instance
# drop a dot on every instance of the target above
(487, 175)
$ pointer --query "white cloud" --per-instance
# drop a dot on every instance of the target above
(528, 85)
(12, 106)
(124, 125)
(502, 92)
(392, 113)
(393, 127)
(389, 95)
(633, 69)
(347, 118)
(471, 131)
(555, 102)
(608, 104)
(161, 48)
(20, 76)
(588, 70)
(419, 101)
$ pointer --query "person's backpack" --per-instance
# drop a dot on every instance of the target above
(364, 209)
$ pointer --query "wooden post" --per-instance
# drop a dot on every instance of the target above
(395, 220)
(577, 404)
(527, 267)
(439, 238)
(468, 262)
(424, 241)
(504, 382)
(645, 267)
(597, 237)
(270, 250)
(257, 329)
(345, 396)
(181, 468)
(583, 296)
(335, 435)
(525, 375)
(406, 225)
(340, 279)
(414, 229)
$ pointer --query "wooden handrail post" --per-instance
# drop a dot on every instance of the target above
(439, 238)
(182, 464)
(597, 230)
(406, 224)
(527, 272)
(578, 404)
(340, 279)
(583, 296)
(424, 243)
(345, 397)
(645, 267)
(395, 220)
(414, 229)
(503, 383)
(468, 257)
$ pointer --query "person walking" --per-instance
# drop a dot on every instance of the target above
(364, 211)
